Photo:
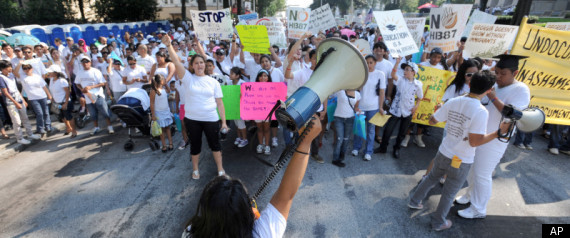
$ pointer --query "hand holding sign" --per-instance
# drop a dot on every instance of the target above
(254, 38)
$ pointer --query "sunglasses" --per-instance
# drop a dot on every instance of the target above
(220, 54)
(104, 53)
(26, 68)
(85, 61)
(27, 52)
(131, 64)
(469, 74)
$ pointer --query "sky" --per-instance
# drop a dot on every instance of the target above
(301, 3)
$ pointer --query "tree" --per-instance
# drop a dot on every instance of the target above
(11, 14)
(80, 5)
(269, 7)
(202, 5)
(409, 5)
(46, 12)
(522, 9)
(126, 10)
(343, 5)
(183, 9)
(483, 5)
(226, 3)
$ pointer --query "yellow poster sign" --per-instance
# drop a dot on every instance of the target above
(254, 38)
(434, 82)
(547, 70)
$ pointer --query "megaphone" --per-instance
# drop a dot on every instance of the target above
(527, 120)
(340, 66)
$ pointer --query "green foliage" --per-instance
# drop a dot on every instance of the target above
(409, 5)
(42, 12)
(126, 10)
(267, 8)
(506, 20)
(343, 5)
(11, 14)
(552, 19)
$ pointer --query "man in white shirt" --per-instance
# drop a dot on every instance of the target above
(91, 82)
(134, 75)
(179, 35)
(59, 45)
(37, 66)
(466, 129)
(8, 52)
(67, 52)
(144, 59)
(380, 50)
(435, 57)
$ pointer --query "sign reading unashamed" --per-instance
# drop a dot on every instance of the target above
(212, 24)
(275, 31)
(446, 26)
(257, 99)
(561, 26)
(395, 33)
(546, 71)
(254, 38)
(478, 17)
(488, 40)
(416, 28)
(298, 21)
(435, 82)
(321, 19)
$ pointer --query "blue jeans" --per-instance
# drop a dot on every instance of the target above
(523, 138)
(287, 136)
(41, 109)
(100, 106)
(370, 133)
(555, 136)
(343, 127)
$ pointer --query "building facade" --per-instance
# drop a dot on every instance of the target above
(171, 9)
(555, 8)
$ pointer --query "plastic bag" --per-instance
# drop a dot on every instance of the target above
(178, 122)
(360, 125)
(155, 129)
(331, 107)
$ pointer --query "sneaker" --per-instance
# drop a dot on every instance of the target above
(564, 151)
(260, 148)
(521, 146)
(318, 159)
(274, 142)
(23, 141)
(553, 151)
(95, 130)
(419, 142)
(367, 157)
(528, 147)
(221, 173)
(469, 213)
(124, 124)
(339, 163)
(442, 180)
(34, 137)
(443, 226)
(462, 199)
(267, 150)
(237, 141)
(417, 207)
(354, 152)
(405, 141)
(242, 143)
(42, 131)
(111, 131)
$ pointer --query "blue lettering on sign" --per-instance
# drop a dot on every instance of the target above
(216, 17)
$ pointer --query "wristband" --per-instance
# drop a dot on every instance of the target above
(493, 100)
(301, 152)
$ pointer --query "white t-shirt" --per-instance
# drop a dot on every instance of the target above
(56, 89)
(251, 69)
(139, 94)
(450, 92)
(146, 62)
(37, 66)
(116, 80)
(131, 74)
(427, 64)
(226, 66)
(463, 116)
(271, 223)
(300, 77)
(386, 67)
(103, 67)
(345, 106)
(34, 87)
(161, 101)
(404, 101)
(200, 100)
(369, 96)
(10, 85)
(66, 52)
(89, 78)
(276, 75)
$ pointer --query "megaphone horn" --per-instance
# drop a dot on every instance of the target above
(531, 120)
(340, 66)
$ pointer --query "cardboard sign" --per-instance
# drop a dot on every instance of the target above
(446, 26)
(363, 46)
(231, 101)
(246, 17)
(416, 28)
(434, 81)
(298, 20)
(488, 40)
(254, 38)
(257, 99)
(478, 17)
(561, 26)
(546, 71)
(395, 33)
(275, 31)
(321, 19)
(379, 119)
(213, 24)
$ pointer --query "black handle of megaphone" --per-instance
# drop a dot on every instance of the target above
(507, 136)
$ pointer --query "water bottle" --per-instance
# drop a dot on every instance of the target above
(223, 134)
(59, 106)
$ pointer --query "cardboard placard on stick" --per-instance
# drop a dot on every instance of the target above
(254, 38)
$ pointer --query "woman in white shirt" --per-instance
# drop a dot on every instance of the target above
(276, 76)
(56, 60)
(163, 66)
(460, 85)
(36, 89)
(347, 105)
(59, 89)
(116, 72)
(134, 75)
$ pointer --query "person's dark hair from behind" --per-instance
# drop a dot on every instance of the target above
(459, 80)
(482, 81)
(291, 46)
(344, 37)
(224, 208)
(371, 57)
(4, 64)
(311, 53)
(237, 71)
(306, 48)
(480, 62)
(276, 49)
(371, 32)
(131, 58)
(352, 37)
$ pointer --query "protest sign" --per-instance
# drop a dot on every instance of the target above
(298, 19)
(247, 17)
(446, 26)
(478, 17)
(275, 31)
(231, 101)
(416, 28)
(434, 81)
(363, 47)
(379, 119)
(561, 26)
(212, 24)
(488, 40)
(340, 21)
(254, 38)
(257, 99)
(321, 19)
(395, 33)
(546, 71)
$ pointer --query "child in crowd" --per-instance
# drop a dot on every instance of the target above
(172, 97)
(160, 110)
(236, 79)
(263, 131)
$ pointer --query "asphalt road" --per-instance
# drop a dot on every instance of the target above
(91, 187)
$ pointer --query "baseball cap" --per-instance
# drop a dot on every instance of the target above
(54, 69)
(145, 42)
(116, 61)
(152, 39)
(27, 62)
(411, 64)
(179, 29)
(68, 38)
(17, 49)
(162, 46)
(220, 51)
(437, 50)
(84, 57)
(99, 55)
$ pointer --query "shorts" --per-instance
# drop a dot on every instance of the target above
(67, 114)
(100, 106)
(210, 128)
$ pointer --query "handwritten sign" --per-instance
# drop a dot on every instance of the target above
(321, 19)
(488, 40)
(254, 38)
(257, 99)
(379, 119)
(546, 71)
(298, 19)
(247, 17)
(561, 26)
(275, 31)
(395, 33)
(416, 28)
(478, 17)
(213, 24)
(434, 82)
(446, 26)
(231, 101)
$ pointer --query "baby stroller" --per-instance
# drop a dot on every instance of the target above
(131, 112)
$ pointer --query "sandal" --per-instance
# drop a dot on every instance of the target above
(221, 173)
(170, 147)
(164, 149)
(73, 135)
(5, 136)
(195, 174)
